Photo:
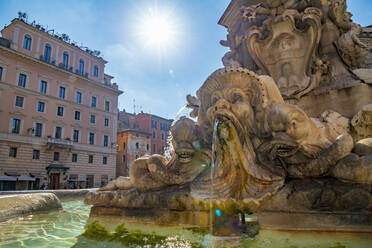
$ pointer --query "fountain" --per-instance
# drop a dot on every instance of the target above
(283, 131)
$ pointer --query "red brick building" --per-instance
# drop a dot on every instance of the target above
(139, 134)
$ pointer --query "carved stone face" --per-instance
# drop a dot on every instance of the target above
(184, 135)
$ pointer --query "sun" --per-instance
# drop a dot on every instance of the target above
(158, 30)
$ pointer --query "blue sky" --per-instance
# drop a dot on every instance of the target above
(158, 81)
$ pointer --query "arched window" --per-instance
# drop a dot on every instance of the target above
(47, 52)
(95, 71)
(65, 60)
(27, 42)
(81, 66)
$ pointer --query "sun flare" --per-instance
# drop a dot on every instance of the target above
(158, 30)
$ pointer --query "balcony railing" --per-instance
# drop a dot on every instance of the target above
(53, 142)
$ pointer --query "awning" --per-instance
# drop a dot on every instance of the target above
(57, 166)
(7, 178)
(25, 178)
(37, 175)
(12, 174)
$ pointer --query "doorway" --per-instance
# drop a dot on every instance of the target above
(90, 181)
(54, 180)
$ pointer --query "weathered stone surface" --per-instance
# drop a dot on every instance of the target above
(364, 74)
(362, 123)
(363, 147)
(20, 205)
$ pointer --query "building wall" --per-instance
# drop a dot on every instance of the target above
(17, 60)
(127, 146)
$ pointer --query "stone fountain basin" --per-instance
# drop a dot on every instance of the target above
(24, 204)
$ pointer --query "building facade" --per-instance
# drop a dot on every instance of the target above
(58, 112)
(132, 144)
(155, 128)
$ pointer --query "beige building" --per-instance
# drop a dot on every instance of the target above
(58, 112)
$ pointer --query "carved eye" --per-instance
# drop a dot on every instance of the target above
(237, 98)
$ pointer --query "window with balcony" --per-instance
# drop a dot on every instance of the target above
(91, 138)
(75, 136)
(13, 152)
(16, 126)
(60, 111)
(19, 101)
(61, 92)
(27, 42)
(56, 156)
(104, 160)
(93, 102)
(1, 73)
(74, 157)
(38, 129)
(78, 97)
(81, 67)
(105, 140)
(107, 105)
(95, 71)
(40, 107)
(77, 115)
(65, 60)
(58, 134)
(36, 154)
(92, 119)
(43, 87)
(47, 53)
(22, 80)
(106, 122)
(90, 159)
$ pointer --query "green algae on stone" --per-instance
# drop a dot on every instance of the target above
(97, 232)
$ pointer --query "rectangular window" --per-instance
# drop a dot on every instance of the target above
(77, 115)
(65, 60)
(154, 148)
(95, 71)
(124, 145)
(16, 126)
(61, 92)
(154, 124)
(107, 105)
(153, 135)
(38, 129)
(1, 73)
(40, 106)
(106, 122)
(162, 136)
(43, 87)
(58, 134)
(22, 80)
(90, 159)
(74, 157)
(19, 101)
(123, 158)
(36, 154)
(27, 42)
(13, 152)
(93, 103)
(78, 97)
(104, 160)
(92, 119)
(60, 111)
(91, 138)
(105, 140)
(56, 156)
(76, 136)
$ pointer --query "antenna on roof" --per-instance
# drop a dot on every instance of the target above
(134, 106)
